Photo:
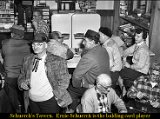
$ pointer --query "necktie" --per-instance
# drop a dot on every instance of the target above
(35, 64)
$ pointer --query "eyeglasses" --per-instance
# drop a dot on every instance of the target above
(155, 74)
(37, 44)
(105, 87)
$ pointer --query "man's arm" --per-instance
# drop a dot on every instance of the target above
(62, 75)
(119, 103)
(82, 68)
(87, 103)
(143, 57)
(129, 51)
(22, 81)
(132, 92)
(117, 62)
(62, 78)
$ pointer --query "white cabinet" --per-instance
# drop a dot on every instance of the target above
(74, 26)
(62, 23)
(80, 24)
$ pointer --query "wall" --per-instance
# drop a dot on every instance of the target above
(104, 7)
(106, 18)
(155, 32)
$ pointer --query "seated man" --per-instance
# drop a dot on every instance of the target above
(99, 98)
(94, 62)
(120, 43)
(147, 88)
(141, 59)
(114, 53)
(57, 47)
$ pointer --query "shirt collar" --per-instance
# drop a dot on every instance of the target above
(106, 41)
(141, 43)
(149, 82)
(44, 57)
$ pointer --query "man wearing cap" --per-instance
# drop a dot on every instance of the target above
(114, 53)
(13, 52)
(57, 47)
(44, 79)
(92, 63)
(99, 98)
(40, 26)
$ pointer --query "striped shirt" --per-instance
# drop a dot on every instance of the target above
(42, 27)
(144, 85)
(103, 106)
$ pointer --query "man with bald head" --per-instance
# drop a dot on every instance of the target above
(99, 98)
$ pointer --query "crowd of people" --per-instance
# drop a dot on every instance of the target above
(35, 77)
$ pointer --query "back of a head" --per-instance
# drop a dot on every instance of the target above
(106, 31)
(40, 37)
(92, 35)
(55, 35)
(17, 30)
(104, 79)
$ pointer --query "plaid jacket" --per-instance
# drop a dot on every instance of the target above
(42, 28)
(143, 84)
(57, 74)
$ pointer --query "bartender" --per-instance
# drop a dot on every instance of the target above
(40, 26)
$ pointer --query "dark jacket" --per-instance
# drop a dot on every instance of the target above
(57, 74)
(92, 63)
(13, 52)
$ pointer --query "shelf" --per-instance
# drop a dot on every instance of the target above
(6, 18)
(7, 13)
(130, 34)
(137, 22)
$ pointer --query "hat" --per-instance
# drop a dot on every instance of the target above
(40, 37)
(106, 31)
(17, 29)
(93, 35)
(55, 34)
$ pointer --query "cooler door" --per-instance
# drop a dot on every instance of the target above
(62, 23)
(80, 24)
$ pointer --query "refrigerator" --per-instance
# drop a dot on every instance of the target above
(62, 23)
(73, 26)
(80, 24)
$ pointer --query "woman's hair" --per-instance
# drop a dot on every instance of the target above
(139, 30)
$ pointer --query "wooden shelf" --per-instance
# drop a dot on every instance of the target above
(137, 22)
(130, 34)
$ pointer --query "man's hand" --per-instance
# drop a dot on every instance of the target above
(25, 85)
(140, 95)
(155, 104)
(127, 65)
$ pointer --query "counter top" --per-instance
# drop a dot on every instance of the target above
(72, 63)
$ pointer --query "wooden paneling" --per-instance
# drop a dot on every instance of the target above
(106, 18)
(155, 31)
(116, 21)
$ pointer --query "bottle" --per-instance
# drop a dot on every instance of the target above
(19, 110)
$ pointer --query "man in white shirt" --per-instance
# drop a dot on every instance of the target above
(114, 53)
